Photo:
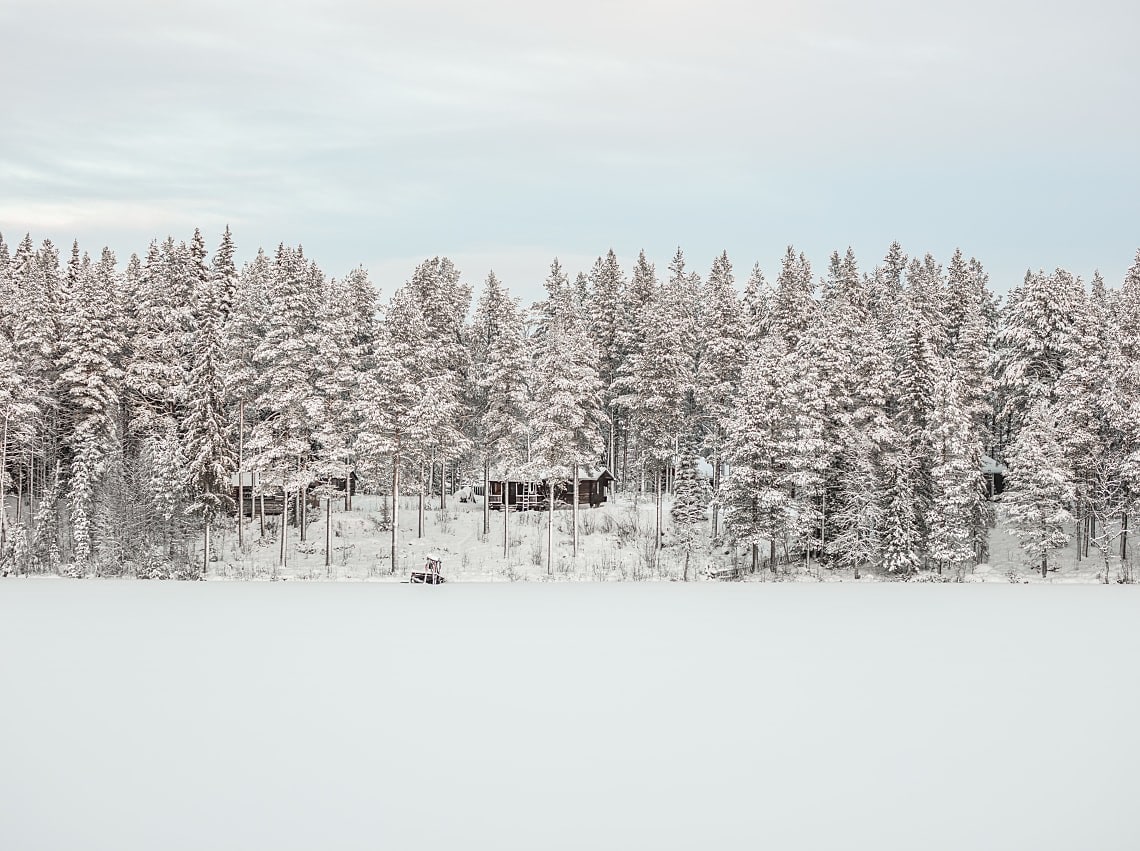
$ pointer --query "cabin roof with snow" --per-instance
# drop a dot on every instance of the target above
(586, 473)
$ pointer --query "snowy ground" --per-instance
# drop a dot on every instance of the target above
(139, 716)
(615, 544)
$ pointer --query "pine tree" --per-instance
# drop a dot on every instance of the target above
(605, 312)
(566, 407)
(956, 516)
(1039, 490)
(207, 443)
(687, 511)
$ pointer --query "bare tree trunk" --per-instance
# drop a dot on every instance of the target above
(716, 487)
(574, 512)
(657, 540)
(550, 531)
(3, 486)
(506, 522)
(823, 521)
(395, 508)
(625, 459)
(420, 528)
(241, 483)
(302, 503)
(486, 496)
(283, 526)
(19, 493)
(1045, 566)
(206, 550)
(261, 512)
(755, 557)
(347, 487)
(611, 462)
(328, 532)
(442, 485)
(31, 504)
(1124, 536)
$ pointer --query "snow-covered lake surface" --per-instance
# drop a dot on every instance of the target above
(138, 717)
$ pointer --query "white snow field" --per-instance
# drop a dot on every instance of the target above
(615, 544)
(140, 716)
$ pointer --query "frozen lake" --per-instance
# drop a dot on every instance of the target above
(139, 717)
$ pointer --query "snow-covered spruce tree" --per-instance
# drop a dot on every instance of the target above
(643, 288)
(757, 308)
(756, 493)
(605, 312)
(156, 375)
(956, 516)
(89, 381)
(856, 538)
(846, 348)
(346, 343)
(501, 374)
(1031, 347)
(661, 377)
(208, 448)
(224, 276)
(247, 325)
(886, 287)
(901, 537)
(720, 366)
(281, 438)
(444, 300)
(45, 537)
(795, 305)
(916, 366)
(1039, 490)
(18, 414)
(566, 408)
(687, 512)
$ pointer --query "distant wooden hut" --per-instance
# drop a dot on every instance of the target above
(523, 494)
(257, 493)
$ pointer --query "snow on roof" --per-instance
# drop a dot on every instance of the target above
(990, 466)
(586, 472)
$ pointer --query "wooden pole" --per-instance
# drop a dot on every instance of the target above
(241, 483)
(550, 529)
(1124, 537)
(657, 540)
(420, 532)
(487, 496)
(3, 486)
(574, 512)
(282, 527)
(302, 502)
(395, 507)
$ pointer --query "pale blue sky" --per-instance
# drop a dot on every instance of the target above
(503, 133)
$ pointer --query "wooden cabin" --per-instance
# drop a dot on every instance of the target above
(525, 495)
(273, 499)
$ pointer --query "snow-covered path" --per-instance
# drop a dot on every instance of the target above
(567, 716)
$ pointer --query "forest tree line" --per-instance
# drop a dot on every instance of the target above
(845, 416)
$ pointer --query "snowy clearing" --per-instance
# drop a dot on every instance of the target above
(615, 544)
(141, 716)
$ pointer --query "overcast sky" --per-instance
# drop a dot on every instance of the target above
(504, 133)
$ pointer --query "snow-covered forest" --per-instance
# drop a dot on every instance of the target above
(883, 417)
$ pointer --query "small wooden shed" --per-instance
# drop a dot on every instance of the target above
(523, 494)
